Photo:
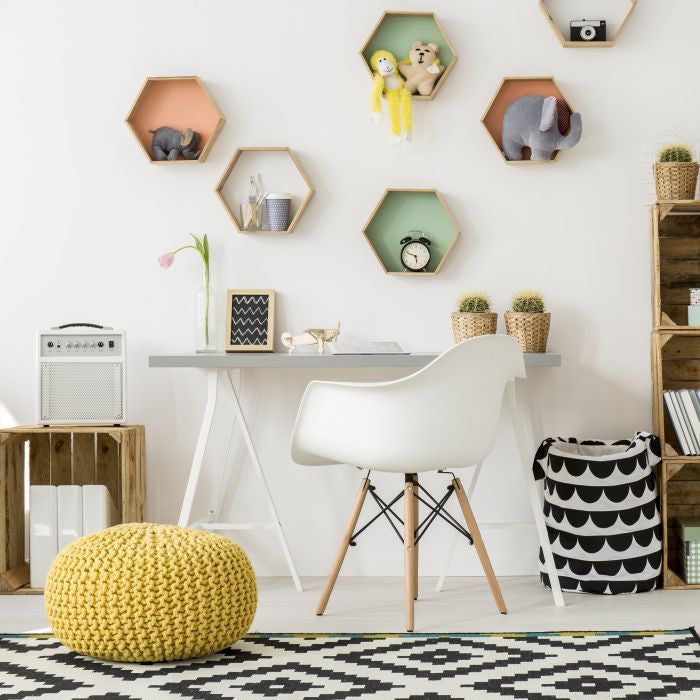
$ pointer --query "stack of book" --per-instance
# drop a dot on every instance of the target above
(683, 407)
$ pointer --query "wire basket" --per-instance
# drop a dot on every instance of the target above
(529, 329)
(469, 325)
(676, 180)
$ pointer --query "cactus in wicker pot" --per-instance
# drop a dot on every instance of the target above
(528, 322)
(473, 317)
(675, 173)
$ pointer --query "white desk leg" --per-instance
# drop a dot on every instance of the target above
(268, 496)
(205, 429)
(456, 537)
(521, 441)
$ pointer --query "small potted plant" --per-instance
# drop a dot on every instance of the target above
(473, 317)
(676, 173)
(528, 322)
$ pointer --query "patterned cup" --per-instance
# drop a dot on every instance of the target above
(279, 209)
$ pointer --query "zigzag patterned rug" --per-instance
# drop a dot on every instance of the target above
(527, 666)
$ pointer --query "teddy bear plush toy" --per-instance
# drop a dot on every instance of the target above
(422, 68)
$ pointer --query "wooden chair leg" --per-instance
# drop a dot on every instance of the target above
(416, 520)
(342, 550)
(479, 544)
(409, 500)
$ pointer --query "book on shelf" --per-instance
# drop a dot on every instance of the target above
(683, 410)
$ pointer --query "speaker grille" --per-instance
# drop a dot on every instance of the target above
(82, 391)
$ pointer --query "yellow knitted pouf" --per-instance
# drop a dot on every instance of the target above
(143, 592)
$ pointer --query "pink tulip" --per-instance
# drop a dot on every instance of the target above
(166, 260)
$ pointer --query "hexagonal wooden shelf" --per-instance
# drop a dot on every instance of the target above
(278, 166)
(180, 102)
(397, 30)
(545, 6)
(400, 211)
(510, 89)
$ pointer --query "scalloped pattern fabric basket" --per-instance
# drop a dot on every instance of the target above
(602, 514)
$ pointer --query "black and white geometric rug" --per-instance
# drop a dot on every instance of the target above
(527, 666)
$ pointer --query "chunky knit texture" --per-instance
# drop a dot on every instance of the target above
(143, 592)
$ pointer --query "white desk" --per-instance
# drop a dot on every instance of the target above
(227, 367)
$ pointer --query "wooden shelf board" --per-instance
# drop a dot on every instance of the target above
(24, 590)
(587, 44)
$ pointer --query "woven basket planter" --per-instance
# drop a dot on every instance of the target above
(530, 330)
(469, 325)
(676, 180)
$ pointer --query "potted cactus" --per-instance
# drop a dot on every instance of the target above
(473, 317)
(528, 322)
(676, 173)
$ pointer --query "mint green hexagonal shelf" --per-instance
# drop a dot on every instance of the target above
(397, 30)
(400, 211)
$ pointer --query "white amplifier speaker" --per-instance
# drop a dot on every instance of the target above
(81, 371)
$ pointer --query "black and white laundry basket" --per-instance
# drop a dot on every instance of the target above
(602, 514)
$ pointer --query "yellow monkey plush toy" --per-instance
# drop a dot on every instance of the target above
(388, 82)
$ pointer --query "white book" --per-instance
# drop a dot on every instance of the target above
(361, 347)
(43, 536)
(69, 503)
(675, 420)
(687, 444)
(693, 418)
(685, 423)
(98, 509)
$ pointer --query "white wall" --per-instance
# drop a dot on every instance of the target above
(84, 216)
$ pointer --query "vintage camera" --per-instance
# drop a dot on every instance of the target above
(588, 30)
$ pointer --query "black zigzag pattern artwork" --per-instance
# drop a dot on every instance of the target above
(249, 319)
(602, 513)
(526, 666)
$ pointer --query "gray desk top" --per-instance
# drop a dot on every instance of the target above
(283, 360)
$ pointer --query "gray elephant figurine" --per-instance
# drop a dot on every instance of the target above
(540, 123)
(168, 144)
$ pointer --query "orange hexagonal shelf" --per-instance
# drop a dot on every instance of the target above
(588, 30)
(397, 30)
(275, 171)
(180, 102)
(511, 89)
(411, 213)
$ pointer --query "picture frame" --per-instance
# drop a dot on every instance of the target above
(250, 320)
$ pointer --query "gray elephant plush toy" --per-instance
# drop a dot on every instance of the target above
(540, 123)
(168, 144)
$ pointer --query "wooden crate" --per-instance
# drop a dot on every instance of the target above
(675, 364)
(680, 498)
(109, 455)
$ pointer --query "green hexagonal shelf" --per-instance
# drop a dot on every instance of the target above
(400, 211)
(397, 30)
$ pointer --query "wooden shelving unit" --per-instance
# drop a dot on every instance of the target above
(396, 31)
(109, 455)
(675, 363)
(283, 161)
(180, 102)
(510, 89)
(399, 211)
(545, 6)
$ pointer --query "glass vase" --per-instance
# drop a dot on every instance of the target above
(205, 320)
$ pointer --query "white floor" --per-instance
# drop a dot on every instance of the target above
(363, 604)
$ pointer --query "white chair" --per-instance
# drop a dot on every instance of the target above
(443, 417)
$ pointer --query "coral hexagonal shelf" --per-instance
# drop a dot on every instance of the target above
(557, 18)
(397, 30)
(180, 102)
(511, 89)
(280, 172)
(408, 212)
